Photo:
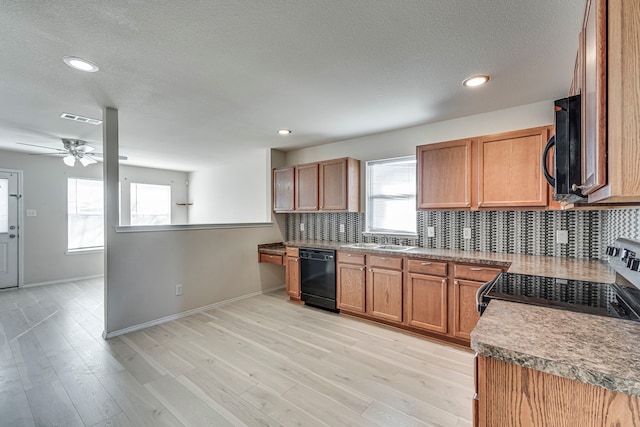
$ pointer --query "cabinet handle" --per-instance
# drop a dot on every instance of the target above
(455, 282)
(444, 281)
(384, 259)
(576, 187)
(475, 396)
(362, 268)
(476, 269)
(295, 260)
(426, 263)
(370, 270)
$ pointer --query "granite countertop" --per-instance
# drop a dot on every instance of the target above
(596, 350)
(561, 268)
(272, 248)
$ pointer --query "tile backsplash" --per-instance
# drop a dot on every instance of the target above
(520, 232)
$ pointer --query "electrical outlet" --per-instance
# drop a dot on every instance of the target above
(302, 226)
(562, 237)
(342, 228)
(466, 232)
(178, 289)
(431, 232)
(32, 212)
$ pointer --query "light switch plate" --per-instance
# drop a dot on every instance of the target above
(562, 237)
(466, 232)
(431, 232)
(342, 228)
(302, 226)
(32, 212)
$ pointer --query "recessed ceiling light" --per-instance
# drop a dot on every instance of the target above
(80, 64)
(284, 131)
(475, 81)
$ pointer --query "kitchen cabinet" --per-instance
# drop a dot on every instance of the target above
(340, 185)
(515, 396)
(306, 181)
(292, 273)
(283, 194)
(351, 282)
(270, 258)
(612, 93)
(384, 288)
(510, 169)
(467, 280)
(445, 174)
(426, 295)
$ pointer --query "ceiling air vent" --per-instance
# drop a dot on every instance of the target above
(82, 119)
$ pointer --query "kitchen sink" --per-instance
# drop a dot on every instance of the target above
(394, 247)
(362, 245)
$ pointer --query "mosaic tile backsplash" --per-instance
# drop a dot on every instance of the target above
(519, 232)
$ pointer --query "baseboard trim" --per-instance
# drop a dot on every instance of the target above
(108, 335)
(54, 282)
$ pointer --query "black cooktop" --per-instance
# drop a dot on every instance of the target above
(603, 299)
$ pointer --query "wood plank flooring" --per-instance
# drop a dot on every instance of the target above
(261, 361)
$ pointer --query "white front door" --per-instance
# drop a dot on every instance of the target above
(9, 233)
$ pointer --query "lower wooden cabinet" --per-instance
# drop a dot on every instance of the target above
(465, 313)
(426, 302)
(384, 294)
(292, 267)
(515, 396)
(350, 287)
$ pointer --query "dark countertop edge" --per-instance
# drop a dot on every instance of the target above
(572, 372)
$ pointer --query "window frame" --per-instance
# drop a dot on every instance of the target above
(84, 248)
(132, 204)
(369, 197)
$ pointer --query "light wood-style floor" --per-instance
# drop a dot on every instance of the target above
(259, 362)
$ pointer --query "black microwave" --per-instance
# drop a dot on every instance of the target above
(567, 158)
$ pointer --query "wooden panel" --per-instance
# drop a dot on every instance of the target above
(515, 396)
(594, 97)
(465, 313)
(425, 266)
(293, 251)
(384, 294)
(444, 175)
(385, 262)
(333, 185)
(479, 273)
(306, 187)
(283, 194)
(510, 169)
(271, 258)
(426, 302)
(293, 277)
(350, 287)
(350, 258)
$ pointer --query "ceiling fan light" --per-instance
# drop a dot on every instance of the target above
(86, 161)
(69, 160)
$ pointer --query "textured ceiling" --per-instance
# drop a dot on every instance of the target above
(196, 81)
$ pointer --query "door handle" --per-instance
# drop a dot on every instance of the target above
(13, 227)
(12, 236)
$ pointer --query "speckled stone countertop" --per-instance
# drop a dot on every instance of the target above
(592, 349)
(272, 248)
(562, 268)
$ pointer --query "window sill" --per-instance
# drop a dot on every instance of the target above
(391, 234)
(84, 251)
(178, 227)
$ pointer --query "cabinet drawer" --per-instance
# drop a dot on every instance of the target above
(478, 273)
(272, 259)
(351, 258)
(425, 266)
(291, 251)
(394, 263)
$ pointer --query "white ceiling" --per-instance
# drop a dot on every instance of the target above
(196, 81)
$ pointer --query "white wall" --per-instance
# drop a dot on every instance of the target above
(236, 192)
(44, 237)
(404, 142)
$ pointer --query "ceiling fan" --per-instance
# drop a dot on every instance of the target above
(74, 149)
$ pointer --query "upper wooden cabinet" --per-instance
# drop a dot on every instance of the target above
(340, 185)
(617, 97)
(328, 186)
(307, 187)
(510, 169)
(283, 194)
(444, 175)
(493, 171)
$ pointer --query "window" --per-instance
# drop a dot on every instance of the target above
(85, 214)
(391, 196)
(150, 204)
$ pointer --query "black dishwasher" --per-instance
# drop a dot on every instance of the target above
(318, 277)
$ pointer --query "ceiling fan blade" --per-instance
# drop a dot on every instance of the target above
(42, 146)
(85, 148)
(47, 154)
(100, 155)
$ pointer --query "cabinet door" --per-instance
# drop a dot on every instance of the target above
(426, 302)
(594, 97)
(283, 189)
(465, 313)
(293, 277)
(350, 287)
(307, 187)
(444, 175)
(333, 185)
(510, 169)
(384, 294)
